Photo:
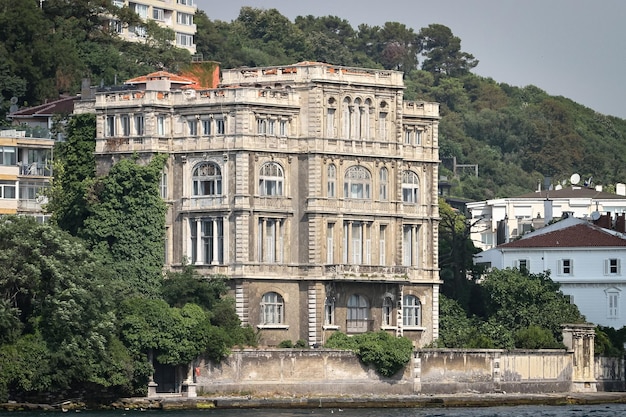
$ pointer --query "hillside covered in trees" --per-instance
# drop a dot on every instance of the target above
(516, 135)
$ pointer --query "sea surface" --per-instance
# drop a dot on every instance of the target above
(517, 411)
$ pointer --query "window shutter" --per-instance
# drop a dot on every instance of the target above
(607, 267)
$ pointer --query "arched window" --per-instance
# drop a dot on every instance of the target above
(271, 179)
(272, 309)
(357, 183)
(358, 312)
(387, 311)
(410, 187)
(384, 178)
(411, 311)
(207, 179)
(346, 118)
(331, 180)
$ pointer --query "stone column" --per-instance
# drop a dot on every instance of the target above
(579, 339)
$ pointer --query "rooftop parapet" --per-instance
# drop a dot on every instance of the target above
(420, 109)
(311, 71)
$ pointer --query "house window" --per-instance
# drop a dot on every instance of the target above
(272, 309)
(410, 254)
(185, 2)
(158, 14)
(30, 191)
(411, 311)
(418, 137)
(356, 243)
(357, 183)
(163, 185)
(330, 243)
(140, 9)
(7, 190)
(183, 39)
(193, 127)
(407, 136)
(207, 241)
(282, 128)
(384, 178)
(261, 126)
(612, 301)
(160, 125)
(382, 126)
(522, 264)
(382, 245)
(220, 126)
(329, 311)
(346, 121)
(612, 266)
(331, 181)
(125, 120)
(358, 312)
(115, 25)
(566, 267)
(387, 311)
(184, 19)
(139, 125)
(270, 127)
(110, 126)
(270, 240)
(410, 187)
(207, 179)
(271, 179)
(206, 127)
(8, 155)
(330, 122)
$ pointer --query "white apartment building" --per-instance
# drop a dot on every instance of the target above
(173, 14)
(586, 260)
(312, 187)
(501, 220)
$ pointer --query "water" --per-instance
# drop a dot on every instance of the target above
(605, 410)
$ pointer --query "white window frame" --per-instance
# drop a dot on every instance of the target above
(184, 39)
(206, 180)
(612, 303)
(357, 183)
(384, 184)
(272, 309)
(331, 181)
(411, 311)
(566, 267)
(387, 312)
(410, 187)
(612, 266)
(185, 19)
(271, 180)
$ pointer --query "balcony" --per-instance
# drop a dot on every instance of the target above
(359, 326)
(374, 273)
(39, 169)
(204, 203)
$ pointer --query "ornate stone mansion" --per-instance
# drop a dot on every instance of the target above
(312, 187)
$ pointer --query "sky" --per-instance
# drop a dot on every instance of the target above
(570, 48)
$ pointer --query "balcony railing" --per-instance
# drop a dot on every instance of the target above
(368, 272)
(359, 325)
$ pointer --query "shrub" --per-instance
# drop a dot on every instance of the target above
(388, 354)
(535, 337)
(285, 344)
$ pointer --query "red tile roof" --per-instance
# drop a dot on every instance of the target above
(577, 236)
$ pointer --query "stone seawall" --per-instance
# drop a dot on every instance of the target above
(430, 371)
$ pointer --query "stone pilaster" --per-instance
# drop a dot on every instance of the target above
(579, 339)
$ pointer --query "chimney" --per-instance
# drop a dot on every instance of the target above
(620, 222)
(547, 211)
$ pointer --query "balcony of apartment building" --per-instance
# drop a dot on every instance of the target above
(368, 273)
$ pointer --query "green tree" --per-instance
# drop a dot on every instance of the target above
(126, 225)
(442, 52)
(519, 300)
(74, 171)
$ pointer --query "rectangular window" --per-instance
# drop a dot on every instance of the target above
(158, 14)
(193, 127)
(183, 39)
(160, 125)
(330, 243)
(382, 245)
(382, 126)
(282, 128)
(418, 137)
(407, 136)
(329, 311)
(140, 9)
(612, 266)
(566, 267)
(270, 240)
(110, 126)
(115, 26)
(613, 305)
(125, 121)
(184, 19)
(522, 264)
(8, 156)
(7, 190)
(330, 123)
(261, 126)
(206, 127)
(139, 125)
(220, 126)
(208, 248)
(407, 246)
(163, 185)
(270, 127)
(185, 2)
(118, 3)
(30, 191)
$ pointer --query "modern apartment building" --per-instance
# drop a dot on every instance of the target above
(312, 187)
(25, 171)
(173, 14)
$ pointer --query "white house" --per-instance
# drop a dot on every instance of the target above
(584, 258)
(500, 220)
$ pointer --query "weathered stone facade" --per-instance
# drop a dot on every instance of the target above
(312, 187)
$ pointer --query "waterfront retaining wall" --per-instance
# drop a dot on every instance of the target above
(430, 371)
